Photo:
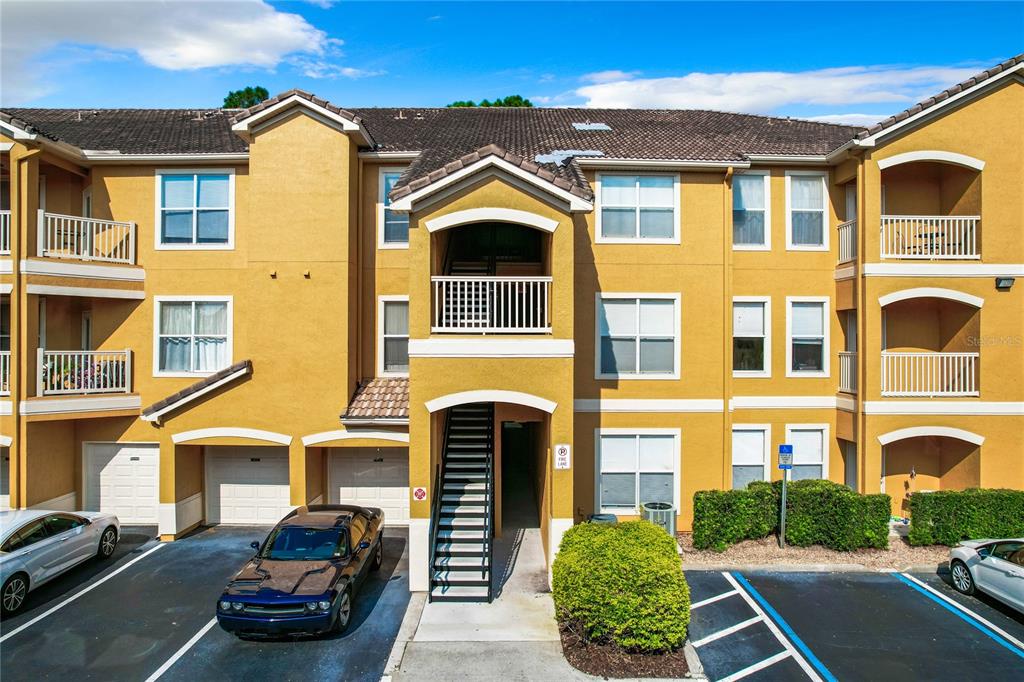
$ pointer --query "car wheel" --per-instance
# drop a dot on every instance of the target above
(108, 543)
(961, 575)
(344, 614)
(378, 558)
(13, 593)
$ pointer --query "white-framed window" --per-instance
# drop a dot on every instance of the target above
(751, 336)
(192, 335)
(637, 336)
(806, 211)
(810, 450)
(638, 208)
(393, 336)
(392, 227)
(751, 211)
(636, 467)
(807, 336)
(195, 209)
(751, 454)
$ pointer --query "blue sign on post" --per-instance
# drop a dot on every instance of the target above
(785, 463)
(785, 457)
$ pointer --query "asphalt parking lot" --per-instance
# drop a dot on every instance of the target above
(149, 613)
(849, 626)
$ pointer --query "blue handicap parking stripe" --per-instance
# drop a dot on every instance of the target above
(962, 616)
(799, 643)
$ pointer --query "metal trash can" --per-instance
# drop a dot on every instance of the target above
(661, 514)
(608, 519)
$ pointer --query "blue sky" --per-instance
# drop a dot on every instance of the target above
(850, 61)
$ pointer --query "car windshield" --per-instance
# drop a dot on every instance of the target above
(295, 543)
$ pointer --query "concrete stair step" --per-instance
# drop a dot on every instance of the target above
(459, 535)
(458, 594)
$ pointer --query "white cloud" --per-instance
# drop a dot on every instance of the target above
(181, 35)
(767, 91)
(610, 76)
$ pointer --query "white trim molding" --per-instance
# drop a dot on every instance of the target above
(6, 408)
(490, 396)
(62, 268)
(664, 405)
(932, 155)
(491, 214)
(5, 441)
(917, 431)
(232, 432)
(782, 402)
(931, 292)
(260, 119)
(351, 434)
(155, 416)
(67, 405)
(90, 292)
(494, 164)
(489, 347)
(945, 407)
(943, 270)
(656, 164)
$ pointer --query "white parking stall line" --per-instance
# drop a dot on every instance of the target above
(960, 607)
(182, 651)
(72, 598)
(760, 665)
(712, 600)
(726, 632)
(811, 672)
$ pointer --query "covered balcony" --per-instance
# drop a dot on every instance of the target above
(931, 207)
(929, 345)
(928, 458)
(83, 372)
(85, 239)
(492, 278)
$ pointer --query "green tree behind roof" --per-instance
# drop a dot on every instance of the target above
(510, 101)
(247, 97)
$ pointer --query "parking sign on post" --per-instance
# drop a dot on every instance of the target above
(785, 463)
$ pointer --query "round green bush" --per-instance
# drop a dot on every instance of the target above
(623, 584)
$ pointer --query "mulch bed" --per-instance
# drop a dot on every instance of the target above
(611, 661)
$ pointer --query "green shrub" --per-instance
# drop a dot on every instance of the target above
(817, 513)
(946, 517)
(623, 584)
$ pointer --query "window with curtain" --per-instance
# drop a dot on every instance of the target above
(636, 469)
(395, 332)
(808, 453)
(748, 336)
(807, 336)
(195, 208)
(637, 336)
(395, 227)
(638, 207)
(193, 336)
(749, 210)
(749, 449)
(807, 217)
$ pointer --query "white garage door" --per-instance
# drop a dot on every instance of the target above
(246, 485)
(123, 479)
(372, 477)
(5, 479)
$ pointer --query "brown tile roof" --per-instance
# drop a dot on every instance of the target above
(380, 398)
(186, 393)
(246, 113)
(942, 96)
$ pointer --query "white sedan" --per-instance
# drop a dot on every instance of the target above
(995, 567)
(37, 546)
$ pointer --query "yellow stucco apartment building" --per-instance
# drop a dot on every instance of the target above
(212, 316)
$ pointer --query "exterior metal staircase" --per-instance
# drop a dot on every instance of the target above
(463, 514)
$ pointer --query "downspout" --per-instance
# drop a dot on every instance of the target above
(727, 384)
(862, 356)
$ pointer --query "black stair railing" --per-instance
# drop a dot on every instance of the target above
(435, 512)
(489, 533)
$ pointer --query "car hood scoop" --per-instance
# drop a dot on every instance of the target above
(286, 577)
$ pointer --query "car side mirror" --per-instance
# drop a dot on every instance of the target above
(365, 544)
(255, 544)
(984, 552)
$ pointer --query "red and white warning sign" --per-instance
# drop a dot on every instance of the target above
(563, 456)
(419, 494)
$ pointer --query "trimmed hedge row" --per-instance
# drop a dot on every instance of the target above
(817, 513)
(946, 517)
(622, 584)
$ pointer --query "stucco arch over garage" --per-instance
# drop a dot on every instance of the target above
(491, 396)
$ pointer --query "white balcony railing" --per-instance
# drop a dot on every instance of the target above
(848, 372)
(5, 233)
(64, 372)
(67, 236)
(929, 374)
(492, 305)
(848, 241)
(929, 237)
(5, 372)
